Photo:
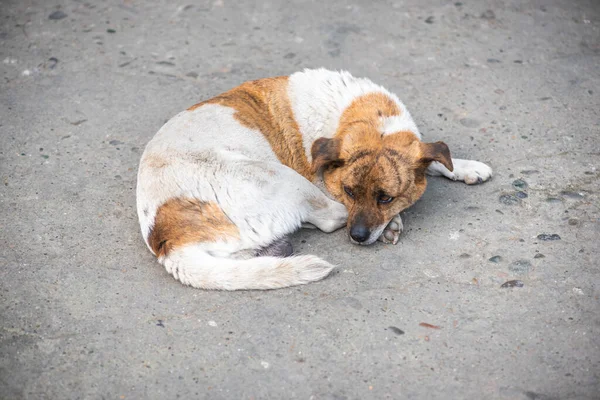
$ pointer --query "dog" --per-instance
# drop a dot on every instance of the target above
(223, 183)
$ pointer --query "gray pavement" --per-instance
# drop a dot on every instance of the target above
(86, 312)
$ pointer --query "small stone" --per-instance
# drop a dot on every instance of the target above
(520, 184)
(115, 142)
(429, 20)
(520, 267)
(513, 283)
(289, 56)
(56, 15)
(508, 199)
(521, 195)
(548, 236)
(465, 255)
(578, 291)
(397, 331)
(539, 255)
(553, 200)
(495, 259)
(572, 195)
(110, 30)
(192, 74)
(573, 221)
(493, 61)
(212, 323)
(52, 61)
(469, 122)
(530, 172)
(488, 14)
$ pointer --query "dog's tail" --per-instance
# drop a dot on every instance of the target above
(195, 267)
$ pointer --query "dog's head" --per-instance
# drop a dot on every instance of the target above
(375, 176)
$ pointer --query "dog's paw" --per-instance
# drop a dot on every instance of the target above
(471, 172)
(392, 231)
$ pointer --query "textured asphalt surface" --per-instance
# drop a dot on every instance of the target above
(86, 312)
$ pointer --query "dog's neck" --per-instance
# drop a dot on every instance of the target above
(320, 97)
(321, 101)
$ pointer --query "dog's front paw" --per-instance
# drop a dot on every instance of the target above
(392, 231)
(471, 172)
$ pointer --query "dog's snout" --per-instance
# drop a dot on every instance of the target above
(360, 233)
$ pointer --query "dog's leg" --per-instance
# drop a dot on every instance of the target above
(279, 248)
(392, 231)
(279, 201)
(468, 171)
(326, 214)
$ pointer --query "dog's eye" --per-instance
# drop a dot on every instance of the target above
(349, 191)
(384, 198)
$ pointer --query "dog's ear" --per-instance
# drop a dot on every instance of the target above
(437, 151)
(325, 152)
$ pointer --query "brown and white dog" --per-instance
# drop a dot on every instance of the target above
(222, 183)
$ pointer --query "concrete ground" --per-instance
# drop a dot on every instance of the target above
(86, 312)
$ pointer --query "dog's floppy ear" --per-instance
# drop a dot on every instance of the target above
(325, 152)
(437, 151)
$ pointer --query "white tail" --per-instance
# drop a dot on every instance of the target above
(195, 267)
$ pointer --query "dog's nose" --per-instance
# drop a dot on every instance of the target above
(359, 233)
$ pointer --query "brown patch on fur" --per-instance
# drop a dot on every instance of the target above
(317, 203)
(154, 161)
(366, 111)
(264, 105)
(180, 221)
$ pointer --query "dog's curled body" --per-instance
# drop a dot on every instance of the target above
(222, 183)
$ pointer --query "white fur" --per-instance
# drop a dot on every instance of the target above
(400, 123)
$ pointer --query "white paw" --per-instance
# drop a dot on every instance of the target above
(471, 172)
(392, 231)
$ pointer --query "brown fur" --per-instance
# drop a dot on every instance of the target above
(264, 105)
(155, 161)
(180, 221)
